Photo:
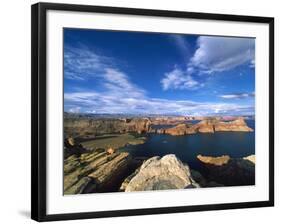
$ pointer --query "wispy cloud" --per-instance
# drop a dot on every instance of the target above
(179, 79)
(123, 102)
(181, 44)
(237, 95)
(81, 63)
(117, 82)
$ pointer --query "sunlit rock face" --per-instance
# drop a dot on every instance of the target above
(217, 161)
(207, 126)
(251, 158)
(181, 129)
(236, 125)
(214, 125)
(163, 173)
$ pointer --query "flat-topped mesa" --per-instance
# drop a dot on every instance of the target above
(236, 125)
(208, 126)
(213, 125)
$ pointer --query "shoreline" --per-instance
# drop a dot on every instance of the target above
(98, 162)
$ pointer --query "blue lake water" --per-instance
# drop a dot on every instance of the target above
(187, 147)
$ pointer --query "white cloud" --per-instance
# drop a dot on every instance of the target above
(118, 82)
(120, 95)
(178, 79)
(74, 110)
(124, 102)
(218, 54)
(252, 64)
(83, 63)
(213, 54)
(237, 95)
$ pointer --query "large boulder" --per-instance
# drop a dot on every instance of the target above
(163, 173)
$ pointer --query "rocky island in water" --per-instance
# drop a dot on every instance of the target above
(98, 155)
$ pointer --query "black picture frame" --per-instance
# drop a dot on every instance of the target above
(38, 108)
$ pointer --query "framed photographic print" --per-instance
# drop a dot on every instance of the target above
(138, 111)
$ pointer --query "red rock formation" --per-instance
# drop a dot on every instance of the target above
(180, 129)
(236, 125)
(205, 126)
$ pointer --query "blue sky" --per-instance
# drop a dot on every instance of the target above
(152, 73)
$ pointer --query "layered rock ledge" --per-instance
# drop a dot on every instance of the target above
(96, 171)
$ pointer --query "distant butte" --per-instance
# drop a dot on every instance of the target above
(209, 126)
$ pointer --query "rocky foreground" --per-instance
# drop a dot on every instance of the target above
(110, 171)
(97, 171)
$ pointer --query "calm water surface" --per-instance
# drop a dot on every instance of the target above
(234, 144)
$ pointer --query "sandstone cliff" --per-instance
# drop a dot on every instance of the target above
(205, 126)
(208, 126)
(85, 126)
(236, 125)
(181, 129)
